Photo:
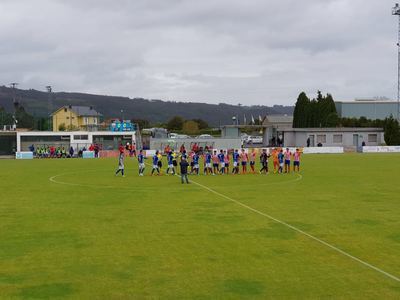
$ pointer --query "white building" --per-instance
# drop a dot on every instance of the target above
(107, 140)
(332, 137)
(278, 131)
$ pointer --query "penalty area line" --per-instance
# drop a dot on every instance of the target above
(301, 232)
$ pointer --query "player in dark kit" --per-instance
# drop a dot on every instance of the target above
(264, 161)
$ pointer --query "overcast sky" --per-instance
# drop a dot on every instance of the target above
(249, 52)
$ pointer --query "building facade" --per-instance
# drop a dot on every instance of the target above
(371, 109)
(107, 140)
(334, 137)
(278, 131)
(75, 118)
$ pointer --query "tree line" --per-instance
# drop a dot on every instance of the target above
(193, 126)
(318, 112)
(23, 119)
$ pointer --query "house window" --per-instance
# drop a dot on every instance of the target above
(65, 109)
(67, 118)
(372, 138)
(321, 138)
(86, 120)
(337, 138)
(94, 120)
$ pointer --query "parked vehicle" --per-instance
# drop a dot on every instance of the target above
(182, 136)
(173, 135)
(204, 136)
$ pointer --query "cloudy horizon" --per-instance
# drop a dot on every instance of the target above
(253, 53)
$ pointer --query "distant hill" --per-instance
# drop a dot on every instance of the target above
(36, 103)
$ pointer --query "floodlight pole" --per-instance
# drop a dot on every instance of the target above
(14, 85)
(49, 107)
(396, 12)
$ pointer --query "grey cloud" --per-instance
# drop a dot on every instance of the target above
(255, 52)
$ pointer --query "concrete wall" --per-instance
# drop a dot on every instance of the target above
(8, 143)
(349, 138)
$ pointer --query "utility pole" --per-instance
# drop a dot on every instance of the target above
(49, 107)
(396, 12)
(14, 85)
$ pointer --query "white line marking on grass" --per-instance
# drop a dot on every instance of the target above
(121, 187)
(302, 232)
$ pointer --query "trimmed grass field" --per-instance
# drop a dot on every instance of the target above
(88, 234)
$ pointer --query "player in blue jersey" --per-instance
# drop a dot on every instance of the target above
(207, 161)
(170, 158)
(236, 157)
(141, 159)
(155, 164)
(221, 159)
(195, 160)
(281, 157)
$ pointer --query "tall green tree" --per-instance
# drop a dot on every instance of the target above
(300, 111)
(190, 127)
(24, 119)
(312, 114)
(176, 123)
(202, 124)
(392, 132)
(319, 112)
(327, 112)
(5, 117)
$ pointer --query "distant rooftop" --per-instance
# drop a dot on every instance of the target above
(279, 119)
(361, 101)
(85, 111)
(372, 99)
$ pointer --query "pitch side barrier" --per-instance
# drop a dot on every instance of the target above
(380, 149)
(24, 155)
(323, 150)
(29, 154)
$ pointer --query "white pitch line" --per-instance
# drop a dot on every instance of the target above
(302, 232)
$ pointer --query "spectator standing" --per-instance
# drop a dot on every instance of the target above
(71, 151)
(184, 170)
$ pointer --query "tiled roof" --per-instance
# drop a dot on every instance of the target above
(84, 111)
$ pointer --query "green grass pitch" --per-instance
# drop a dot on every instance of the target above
(88, 234)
